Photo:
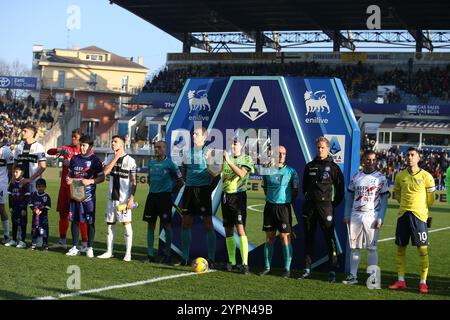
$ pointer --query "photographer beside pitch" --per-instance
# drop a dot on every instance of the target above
(320, 177)
(414, 190)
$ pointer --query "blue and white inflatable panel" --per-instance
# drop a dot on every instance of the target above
(302, 109)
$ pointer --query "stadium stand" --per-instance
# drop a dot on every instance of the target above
(360, 81)
(393, 161)
(15, 113)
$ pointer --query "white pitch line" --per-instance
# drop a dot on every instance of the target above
(255, 205)
(119, 286)
(434, 230)
(153, 280)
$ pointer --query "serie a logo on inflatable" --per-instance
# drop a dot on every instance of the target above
(200, 265)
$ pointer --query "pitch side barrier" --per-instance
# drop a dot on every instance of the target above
(266, 112)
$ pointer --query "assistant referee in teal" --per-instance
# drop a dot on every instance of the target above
(281, 189)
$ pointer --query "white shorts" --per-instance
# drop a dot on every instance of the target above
(113, 215)
(363, 233)
(3, 193)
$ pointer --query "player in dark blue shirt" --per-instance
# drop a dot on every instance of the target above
(40, 204)
(18, 200)
(87, 168)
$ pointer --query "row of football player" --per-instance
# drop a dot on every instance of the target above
(323, 187)
(280, 189)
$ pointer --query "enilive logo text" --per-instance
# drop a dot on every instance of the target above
(316, 103)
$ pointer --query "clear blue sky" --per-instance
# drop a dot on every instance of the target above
(28, 22)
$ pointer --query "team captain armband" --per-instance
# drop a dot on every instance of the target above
(431, 190)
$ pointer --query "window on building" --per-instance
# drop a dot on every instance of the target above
(91, 103)
(61, 79)
(163, 132)
(93, 81)
(380, 137)
(94, 57)
(383, 137)
(90, 129)
(405, 138)
(60, 98)
(125, 84)
(432, 139)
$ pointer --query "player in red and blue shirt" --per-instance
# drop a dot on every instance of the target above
(63, 206)
(40, 204)
(87, 167)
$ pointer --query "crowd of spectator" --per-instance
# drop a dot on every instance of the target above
(15, 113)
(392, 161)
(392, 97)
(357, 78)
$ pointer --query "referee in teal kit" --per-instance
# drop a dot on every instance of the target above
(281, 189)
(197, 197)
(162, 173)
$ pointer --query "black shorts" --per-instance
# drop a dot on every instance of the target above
(321, 211)
(411, 227)
(277, 217)
(197, 201)
(158, 205)
(234, 208)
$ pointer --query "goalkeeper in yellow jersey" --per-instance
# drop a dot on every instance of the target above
(414, 190)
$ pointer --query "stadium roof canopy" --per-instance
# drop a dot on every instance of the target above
(181, 17)
(178, 16)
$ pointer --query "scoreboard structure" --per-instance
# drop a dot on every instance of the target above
(288, 111)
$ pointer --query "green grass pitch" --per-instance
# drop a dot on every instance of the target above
(30, 274)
